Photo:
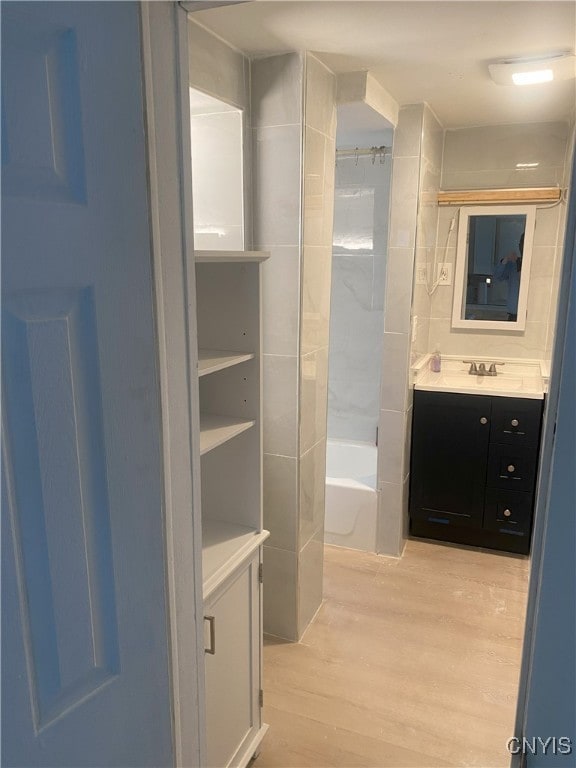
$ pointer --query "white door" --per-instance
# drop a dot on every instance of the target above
(85, 673)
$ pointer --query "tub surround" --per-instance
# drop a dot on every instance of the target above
(356, 317)
(351, 497)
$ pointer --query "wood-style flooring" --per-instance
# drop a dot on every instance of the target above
(412, 662)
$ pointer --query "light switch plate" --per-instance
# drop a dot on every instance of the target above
(421, 274)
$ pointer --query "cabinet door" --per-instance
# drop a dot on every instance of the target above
(450, 435)
(233, 669)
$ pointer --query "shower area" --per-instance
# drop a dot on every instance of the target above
(361, 211)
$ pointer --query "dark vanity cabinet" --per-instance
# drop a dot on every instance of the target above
(473, 469)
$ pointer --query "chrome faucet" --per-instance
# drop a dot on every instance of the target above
(479, 369)
(473, 370)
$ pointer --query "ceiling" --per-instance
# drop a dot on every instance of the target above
(431, 50)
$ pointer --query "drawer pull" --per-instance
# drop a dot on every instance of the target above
(483, 420)
(514, 422)
(212, 623)
(511, 468)
(507, 513)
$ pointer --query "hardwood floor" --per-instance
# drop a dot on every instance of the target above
(412, 662)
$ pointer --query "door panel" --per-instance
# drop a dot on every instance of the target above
(450, 434)
(232, 672)
(84, 648)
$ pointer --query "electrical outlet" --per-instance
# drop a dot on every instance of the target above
(444, 274)
(421, 274)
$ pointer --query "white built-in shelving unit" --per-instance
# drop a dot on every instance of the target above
(228, 299)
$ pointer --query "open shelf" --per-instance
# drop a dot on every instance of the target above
(216, 430)
(212, 360)
(224, 544)
(228, 256)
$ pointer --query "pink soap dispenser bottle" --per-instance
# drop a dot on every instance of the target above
(436, 361)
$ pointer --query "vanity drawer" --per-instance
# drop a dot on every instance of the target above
(508, 512)
(512, 467)
(515, 421)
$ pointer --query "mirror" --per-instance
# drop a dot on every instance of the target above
(493, 267)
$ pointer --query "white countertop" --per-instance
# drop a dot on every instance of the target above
(516, 378)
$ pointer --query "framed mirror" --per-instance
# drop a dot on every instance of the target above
(492, 274)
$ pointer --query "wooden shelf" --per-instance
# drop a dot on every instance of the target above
(494, 196)
(225, 545)
(216, 430)
(230, 256)
(212, 360)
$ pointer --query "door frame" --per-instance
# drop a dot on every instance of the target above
(167, 118)
(542, 520)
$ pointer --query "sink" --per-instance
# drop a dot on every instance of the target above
(519, 380)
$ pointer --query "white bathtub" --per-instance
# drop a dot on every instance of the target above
(351, 499)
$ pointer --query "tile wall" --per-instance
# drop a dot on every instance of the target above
(319, 167)
(277, 87)
(293, 114)
(487, 157)
(361, 209)
(395, 409)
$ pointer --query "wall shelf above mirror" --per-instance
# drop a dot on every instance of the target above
(493, 260)
(500, 196)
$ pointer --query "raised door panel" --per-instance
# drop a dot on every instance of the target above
(233, 670)
(85, 666)
(450, 436)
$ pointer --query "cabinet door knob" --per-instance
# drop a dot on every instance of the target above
(514, 422)
(507, 513)
(511, 468)
(483, 420)
(212, 624)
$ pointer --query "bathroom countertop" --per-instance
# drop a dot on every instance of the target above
(515, 378)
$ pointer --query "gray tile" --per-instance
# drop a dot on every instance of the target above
(408, 132)
(280, 485)
(312, 491)
(277, 90)
(281, 299)
(280, 593)
(277, 157)
(216, 68)
(280, 389)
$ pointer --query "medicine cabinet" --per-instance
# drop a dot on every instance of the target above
(493, 258)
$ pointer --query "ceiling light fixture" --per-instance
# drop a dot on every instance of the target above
(559, 66)
(531, 78)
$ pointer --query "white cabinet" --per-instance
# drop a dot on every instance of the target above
(233, 630)
(228, 292)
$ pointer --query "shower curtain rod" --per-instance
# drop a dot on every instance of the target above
(364, 151)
